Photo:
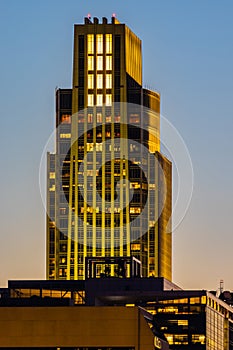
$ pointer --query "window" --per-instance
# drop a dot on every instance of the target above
(198, 338)
(117, 118)
(90, 147)
(90, 43)
(99, 62)
(99, 81)
(108, 99)
(65, 136)
(134, 118)
(99, 43)
(134, 210)
(99, 101)
(99, 117)
(90, 118)
(90, 62)
(66, 118)
(108, 81)
(62, 211)
(63, 223)
(98, 148)
(52, 188)
(90, 100)
(108, 62)
(90, 83)
(80, 118)
(108, 43)
(135, 246)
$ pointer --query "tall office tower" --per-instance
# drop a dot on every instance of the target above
(109, 187)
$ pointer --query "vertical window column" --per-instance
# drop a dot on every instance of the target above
(108, 69)
(90, 67)
(99, 68)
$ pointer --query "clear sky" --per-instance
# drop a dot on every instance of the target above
(187, 56)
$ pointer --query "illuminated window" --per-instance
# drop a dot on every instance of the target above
(182, 322)
(65, 136)
(195, 300)
(90, 147)
(90, 43)
(108, 62)
(90, 100)
(99, 62)
(108, 100)
(52, 175)
(203, 299)
(99, 81)
(90, 83)
(90, 118)
(99, 117)
(117, 118)
(98, 147)
(90, 209)
(99, 43)
(81, 118)
(90, 62)
(52, 188)
(198, 338)
(99, 101)
(134, 118)
(133, 147)
(108, 43)
(108, 81)
(135, 210)
(66, 118)
(63, 260)
(135, 246)
(135, 185)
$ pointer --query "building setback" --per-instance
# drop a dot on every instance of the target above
(109, 187)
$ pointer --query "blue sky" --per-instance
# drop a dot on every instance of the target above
(187, 57)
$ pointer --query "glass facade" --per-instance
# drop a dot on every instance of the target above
(182, 320)
(200, 321)
(112, 197)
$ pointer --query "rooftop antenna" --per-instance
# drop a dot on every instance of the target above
(221, 286)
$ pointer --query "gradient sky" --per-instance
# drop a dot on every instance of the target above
(187, 56)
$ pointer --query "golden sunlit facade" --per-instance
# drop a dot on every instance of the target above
(72, 328)
(109, 187)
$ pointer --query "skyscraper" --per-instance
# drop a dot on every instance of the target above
(109, 187)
